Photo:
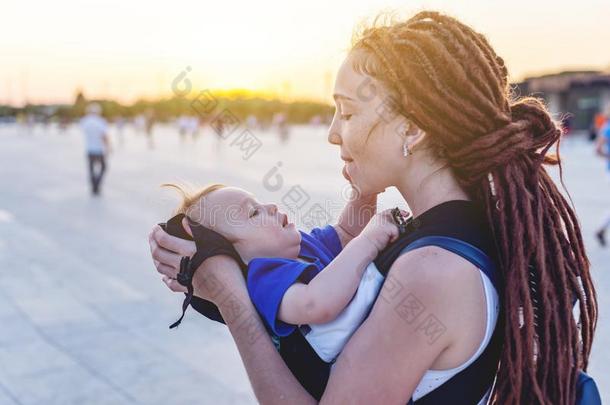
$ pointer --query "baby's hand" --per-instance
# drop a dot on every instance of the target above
(381, 230)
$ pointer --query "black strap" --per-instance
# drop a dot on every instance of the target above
(185, 278)
(209, 243)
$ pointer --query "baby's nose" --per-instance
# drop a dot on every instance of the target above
(272, 208)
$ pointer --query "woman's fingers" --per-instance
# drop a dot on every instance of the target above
(174, 285)
(167, 251)
(172, 243)
(166, 262)
(165, 257)
(167, 271)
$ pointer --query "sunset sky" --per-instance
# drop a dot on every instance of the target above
(130, 49)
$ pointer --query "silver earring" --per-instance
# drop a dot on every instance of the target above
(405, 149)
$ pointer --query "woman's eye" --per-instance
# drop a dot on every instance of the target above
(346, 117)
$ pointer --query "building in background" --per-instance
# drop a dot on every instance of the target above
(583, 94)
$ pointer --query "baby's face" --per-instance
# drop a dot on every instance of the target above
(255, 229)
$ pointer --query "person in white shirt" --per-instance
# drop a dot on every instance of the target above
(97, 144)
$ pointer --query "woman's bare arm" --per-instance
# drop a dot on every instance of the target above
(220, 280)
(409, 327)
(354, 217)
(414, 320)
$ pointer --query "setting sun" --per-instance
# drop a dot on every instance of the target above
(127, 50)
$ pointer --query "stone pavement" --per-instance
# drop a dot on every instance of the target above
(84, 316)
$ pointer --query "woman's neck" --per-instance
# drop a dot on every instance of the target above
(428, 187)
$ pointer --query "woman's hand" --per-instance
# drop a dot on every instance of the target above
(211, 278)
(167, 251)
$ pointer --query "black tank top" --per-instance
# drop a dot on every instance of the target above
(459, 219)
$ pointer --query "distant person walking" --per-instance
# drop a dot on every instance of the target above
(597, 123)
(150, 123)
(97, 144)
(602, 147)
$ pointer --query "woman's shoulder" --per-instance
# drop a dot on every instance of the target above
(448, 291)
(434, 267)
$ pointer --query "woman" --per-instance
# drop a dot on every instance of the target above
(424, 105)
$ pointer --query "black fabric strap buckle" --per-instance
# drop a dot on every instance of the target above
(209, 243)
(185, 276)
(400, 220)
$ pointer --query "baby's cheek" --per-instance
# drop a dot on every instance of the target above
(281, 239)
(271, 241)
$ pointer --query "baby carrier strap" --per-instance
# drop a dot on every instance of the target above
(469, 385)
(209, 243)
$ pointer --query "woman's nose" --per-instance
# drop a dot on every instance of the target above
(333, 135)
(334, 138)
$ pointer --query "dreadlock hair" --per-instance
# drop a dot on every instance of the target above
(447, 79)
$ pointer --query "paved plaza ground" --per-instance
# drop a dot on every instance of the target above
(84, 317)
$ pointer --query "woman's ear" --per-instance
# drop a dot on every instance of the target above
(187, 227)
(415, 135)
(410, 132)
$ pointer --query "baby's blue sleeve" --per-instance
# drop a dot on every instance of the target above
(328, 237)
(268, 281)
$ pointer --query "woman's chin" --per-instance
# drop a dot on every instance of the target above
(364, 190)
(358, 187)
(361, 189)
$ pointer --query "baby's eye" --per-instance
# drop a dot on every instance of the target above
(346, 117)
(254, 212)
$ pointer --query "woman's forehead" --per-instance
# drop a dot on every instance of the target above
(346, 79)
(351, 84)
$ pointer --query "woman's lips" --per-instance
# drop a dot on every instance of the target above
(346, 174)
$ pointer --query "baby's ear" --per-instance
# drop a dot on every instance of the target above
(187, 227)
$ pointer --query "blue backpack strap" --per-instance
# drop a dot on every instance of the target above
(469, 252)
(586, 390)
(469, 385)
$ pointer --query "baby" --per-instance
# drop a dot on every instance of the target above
(297, 279)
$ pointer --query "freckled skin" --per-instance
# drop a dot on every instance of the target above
(367, 134)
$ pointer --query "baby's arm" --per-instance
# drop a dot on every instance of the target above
(329, 292)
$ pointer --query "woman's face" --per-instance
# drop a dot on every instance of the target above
(367, 129)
